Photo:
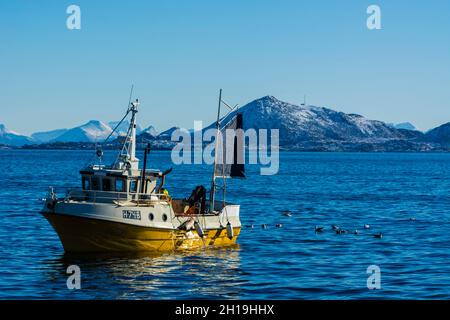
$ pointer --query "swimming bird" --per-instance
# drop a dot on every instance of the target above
(264, 226)
(366, 226)
(318, 229)
(412, 219)
(287, 213)
(279, 225)
(334, 227)
(378, 235)
(356, 232)
(250, 226)
(341, 231)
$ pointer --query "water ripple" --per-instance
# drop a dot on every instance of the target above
(293, 262)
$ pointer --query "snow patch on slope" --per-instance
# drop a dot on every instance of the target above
(92, 131)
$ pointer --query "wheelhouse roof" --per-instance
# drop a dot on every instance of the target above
(105, 171)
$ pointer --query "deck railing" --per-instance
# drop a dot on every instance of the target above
(94, 196)
(99, 196)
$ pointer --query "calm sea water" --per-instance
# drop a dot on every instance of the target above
(292, 262)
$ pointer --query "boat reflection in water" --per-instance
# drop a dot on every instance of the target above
(212, 273)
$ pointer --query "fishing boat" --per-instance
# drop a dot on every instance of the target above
(122, 207)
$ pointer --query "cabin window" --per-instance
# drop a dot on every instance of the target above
(133, 186)
(150, 186)
(106, 184)
(120, 185)
(95, 183)
(86, 183)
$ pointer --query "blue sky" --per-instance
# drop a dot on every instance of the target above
(179, 53)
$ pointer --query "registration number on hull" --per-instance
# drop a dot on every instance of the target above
(131, 214)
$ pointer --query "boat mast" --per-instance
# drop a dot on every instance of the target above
(128, 153)
(213, 181)
(132, 137)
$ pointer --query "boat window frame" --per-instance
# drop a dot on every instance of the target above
(108, 182)
(124, 185)
(136, 186)
(98, 181)
(84, 179)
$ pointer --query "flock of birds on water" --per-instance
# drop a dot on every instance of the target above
(319, 229)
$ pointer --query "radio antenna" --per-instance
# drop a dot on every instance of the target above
(131, 95)
(126, 114)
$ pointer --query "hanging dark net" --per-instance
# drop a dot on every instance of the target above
(230, 149)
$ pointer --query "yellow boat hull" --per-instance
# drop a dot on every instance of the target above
(93, 235)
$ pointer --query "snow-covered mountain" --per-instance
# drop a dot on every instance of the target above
(46, 136)
(122, 129)
(93, 131)
(167, 135)
(12, 138)
(300, 128)
(403, 125)
(151, 130)
(304, 125)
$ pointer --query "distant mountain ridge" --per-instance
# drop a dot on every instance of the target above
(323, 129)
(122, 129)
(440, 134)
(303, 127)
(47, 136)
(151, 130)
(299, 124)
(92, 131)
(403, 125)
(9, 137)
